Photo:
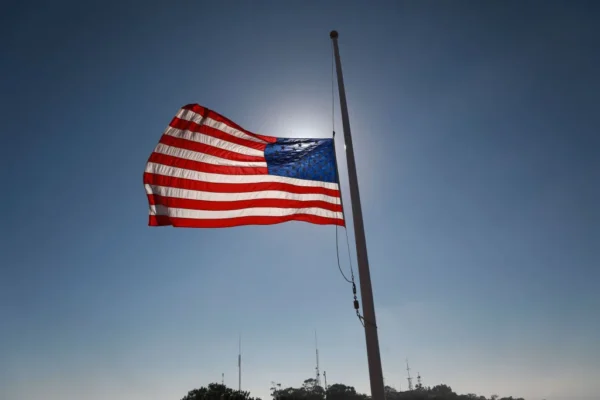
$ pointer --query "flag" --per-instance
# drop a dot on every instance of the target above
(208, 172)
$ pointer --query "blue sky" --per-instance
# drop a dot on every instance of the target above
(476, 134)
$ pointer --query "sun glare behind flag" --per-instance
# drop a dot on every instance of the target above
(208, 172)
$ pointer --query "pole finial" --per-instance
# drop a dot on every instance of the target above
(333, 34)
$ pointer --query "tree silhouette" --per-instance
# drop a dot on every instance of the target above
(309, 390)
(216, 391)
(339, 391)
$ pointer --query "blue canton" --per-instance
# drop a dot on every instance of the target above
(312, 159)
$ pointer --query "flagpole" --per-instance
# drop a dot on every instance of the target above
(240, 365)
(366, 291)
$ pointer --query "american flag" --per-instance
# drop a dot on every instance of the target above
(208, 172)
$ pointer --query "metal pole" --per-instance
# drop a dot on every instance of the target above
(366, 291)
(240, 365)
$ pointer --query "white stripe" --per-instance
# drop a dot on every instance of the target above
(166, 191)
(190, 115)
(174, 172)
(205, 158)
(211, 141)
(246, 212)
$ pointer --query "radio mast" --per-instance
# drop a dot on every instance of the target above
(240, 364)
(318, 377)
(410, 385)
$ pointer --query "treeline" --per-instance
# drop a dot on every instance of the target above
(311, 391)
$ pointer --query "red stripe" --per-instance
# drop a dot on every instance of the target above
(205, 167)
(192, 204)
(191, 126)
(190, 184)
(162, 220)
(206, 149)
(214, 132)
(203, 111)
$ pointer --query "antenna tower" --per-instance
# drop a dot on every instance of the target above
(223, 379)
(419, 384)
(410, 385)
(240, 365)
(325, 379)
(318, 377)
